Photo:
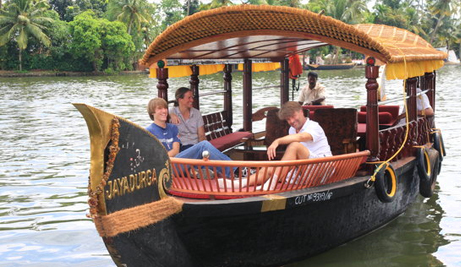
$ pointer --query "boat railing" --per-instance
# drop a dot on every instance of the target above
(197, 178)
(399, 99)
(391, 139)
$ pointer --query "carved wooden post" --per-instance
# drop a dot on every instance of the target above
(372, 141)
(247, 90)
(162, 85)
(411, 92)
(428, 80)
(228, 92)
(194, 81)
(284, 81)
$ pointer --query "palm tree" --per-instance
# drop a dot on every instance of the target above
(22, 19)
(349, 11)
(440, 10)
(131, 12)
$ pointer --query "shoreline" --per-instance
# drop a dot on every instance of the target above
(13, 74)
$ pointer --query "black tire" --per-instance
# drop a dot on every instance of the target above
(386, 184)
(427, 172)
(440, 147)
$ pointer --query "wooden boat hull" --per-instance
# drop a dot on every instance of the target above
(330, 66)
(240, 233)
(267, 230)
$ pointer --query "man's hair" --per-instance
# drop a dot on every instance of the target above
(153, 104)
(288, 109)
(180, 94)
(313, 74)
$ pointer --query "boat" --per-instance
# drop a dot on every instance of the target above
(342, 66)
(149, 211)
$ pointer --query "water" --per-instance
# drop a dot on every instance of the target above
(44, 164)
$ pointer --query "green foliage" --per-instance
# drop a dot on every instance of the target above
(100, 41)
(22, 19)
(60, 6)
(172, 11)
(131, 12)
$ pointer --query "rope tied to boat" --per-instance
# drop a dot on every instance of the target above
(137, 217)
(386, 163)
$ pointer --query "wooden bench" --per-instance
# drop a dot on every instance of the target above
(219, 134)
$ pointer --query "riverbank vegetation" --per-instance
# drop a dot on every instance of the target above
(111, 35)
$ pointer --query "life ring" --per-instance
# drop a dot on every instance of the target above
(427, 172)
(386, 184)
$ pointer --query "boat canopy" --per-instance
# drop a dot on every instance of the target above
(273, 33)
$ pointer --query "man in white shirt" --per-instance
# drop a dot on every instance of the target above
(306, 139)
(314, 92)
(423, 106)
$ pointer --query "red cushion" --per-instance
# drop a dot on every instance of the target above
(384, 117)
(362, 117)
(392, 109)
(229, 140)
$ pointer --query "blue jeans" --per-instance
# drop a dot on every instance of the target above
(195, 152)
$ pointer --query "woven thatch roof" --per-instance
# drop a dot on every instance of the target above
(273, 32)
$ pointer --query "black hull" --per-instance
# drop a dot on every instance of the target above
(237, 233)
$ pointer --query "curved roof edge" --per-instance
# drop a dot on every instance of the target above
(389, 44)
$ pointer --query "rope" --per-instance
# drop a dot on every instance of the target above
(407, 124)
(138, 217)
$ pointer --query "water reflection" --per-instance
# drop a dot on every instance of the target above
(410, 240)
(45, 161)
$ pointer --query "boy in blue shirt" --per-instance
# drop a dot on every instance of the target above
(167, 134)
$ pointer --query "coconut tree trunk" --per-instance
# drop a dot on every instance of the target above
(20, 59)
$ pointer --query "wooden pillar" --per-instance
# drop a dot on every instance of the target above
(411, 102)
(194, 81)
(247, 95)
(228, 92)
(284, 82)
(428, 80)
(162, 85)
(372, 137)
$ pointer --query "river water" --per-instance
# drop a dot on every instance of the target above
(44, 164)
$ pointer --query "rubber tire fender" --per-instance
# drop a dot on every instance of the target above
(427, 172)
(386, 184)
(439, 145)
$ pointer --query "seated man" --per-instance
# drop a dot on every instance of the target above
(423, 106)
(314, 92)
(167, 134)
(305, 139)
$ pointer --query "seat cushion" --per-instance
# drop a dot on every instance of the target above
(229, 140)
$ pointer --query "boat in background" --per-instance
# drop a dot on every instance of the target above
(343, 66)
(153, 210)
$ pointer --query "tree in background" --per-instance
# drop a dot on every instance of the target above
(61, 6)
(22, 19)
(171, 12)
(348, 11)
(100, 42)
(131, 12)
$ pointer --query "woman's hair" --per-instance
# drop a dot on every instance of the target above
(180, 94)
(288, 109)
(153, 104)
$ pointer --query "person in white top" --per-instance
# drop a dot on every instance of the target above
(188, 119)
(422, 104)
(314, 92)
(306, 139)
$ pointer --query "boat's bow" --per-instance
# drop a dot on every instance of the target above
(129, 172)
